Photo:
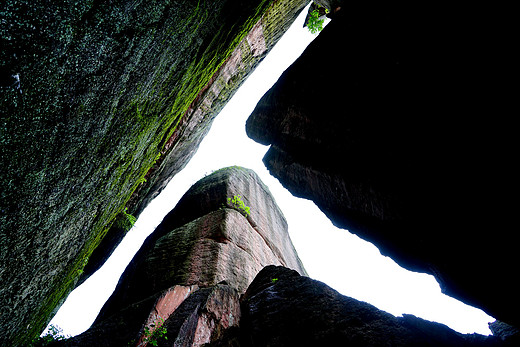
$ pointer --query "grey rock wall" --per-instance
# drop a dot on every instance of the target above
(101, 103)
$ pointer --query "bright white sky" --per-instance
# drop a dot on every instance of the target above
(334, 256)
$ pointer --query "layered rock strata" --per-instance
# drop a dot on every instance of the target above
(203, 241)
(101, 104)
(392, 123)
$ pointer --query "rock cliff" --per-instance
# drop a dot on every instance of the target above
(215, 273)
(394, 122)
(205, 240)
(282, 308)
(101, 103)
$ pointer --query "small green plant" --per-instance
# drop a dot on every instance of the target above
(274, 280)
(157, 157)
(125, 221)
(54, 333)
(237, 203)
(152, 335)
(314, 23)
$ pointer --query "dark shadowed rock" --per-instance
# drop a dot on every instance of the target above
(392, 122)
(282, 308)
(507, 333)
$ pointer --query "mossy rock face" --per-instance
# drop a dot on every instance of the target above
(90, 95)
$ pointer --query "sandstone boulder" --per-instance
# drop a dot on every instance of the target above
(203, 241)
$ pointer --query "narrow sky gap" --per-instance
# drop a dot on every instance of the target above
(343, 261)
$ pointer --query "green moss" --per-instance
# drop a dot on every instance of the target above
(124, 221)
(103, 90)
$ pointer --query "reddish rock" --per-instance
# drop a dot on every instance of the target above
(203, 317)
(203, 241)
(165, 305)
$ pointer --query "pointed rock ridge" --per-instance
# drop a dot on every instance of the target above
(207, 104)
(205, 240)
(101, 104)
(376, 123)
(282, 308)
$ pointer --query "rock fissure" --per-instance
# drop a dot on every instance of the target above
(102, 104)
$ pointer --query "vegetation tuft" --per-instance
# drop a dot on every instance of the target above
(124, 221)
(153, 334)
(239, 205)
(54, 333)
(315, 21)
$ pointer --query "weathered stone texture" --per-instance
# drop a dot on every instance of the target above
(203, 317)
(203, 241)
(282, 308)
(249, 52)
(100, 104)
(392, 122)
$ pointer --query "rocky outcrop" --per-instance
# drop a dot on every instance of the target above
(392, 123)
(213, 274)
(205, 316)
(101, 103)
(507, 333)
(203, 241)
(282, 308)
